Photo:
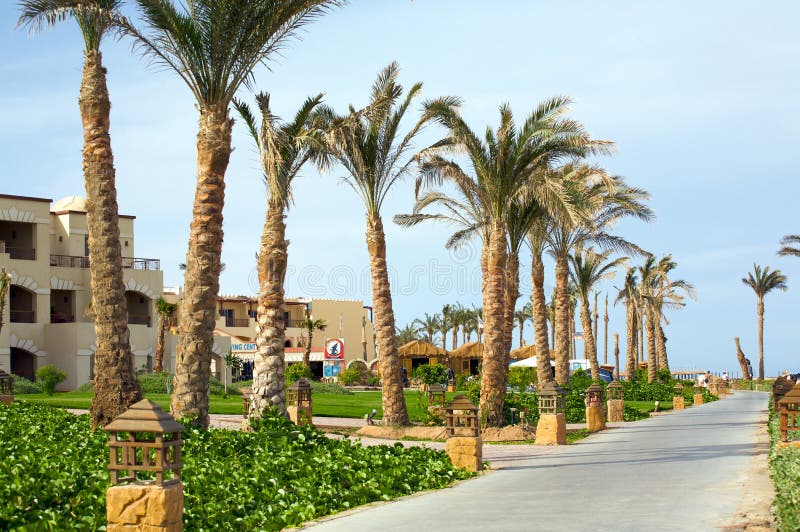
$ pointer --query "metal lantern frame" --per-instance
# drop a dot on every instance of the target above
(677, 390)
(144, 439)
(552, 399)
(594, 395)
(6, 383)
(436, 395)
(614, 391)
(299, 394)
(697, 389)
(461, 414)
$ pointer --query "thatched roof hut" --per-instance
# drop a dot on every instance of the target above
(521, 353)
(418, 348)
(470, 350)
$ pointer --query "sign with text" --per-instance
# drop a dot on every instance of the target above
(243, 348)
(332, 368)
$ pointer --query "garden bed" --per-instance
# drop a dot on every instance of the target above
(53, 473)
(784, 465)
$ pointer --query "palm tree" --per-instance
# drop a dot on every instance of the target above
(448, 321)
(5, 285)
(284, 148)
(166, 319)
(763, 281)
(629, 293)
(588, 269)
(213, 46)
(602, 200)
(521, 316)
(506, 166)
(650, 275)
(790, 246)
(115, 384)
(369, 146)
(309, 325)
(430, 326)
(409, 333)
(666, 294)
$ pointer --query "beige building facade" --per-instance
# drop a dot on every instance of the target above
(44, 246)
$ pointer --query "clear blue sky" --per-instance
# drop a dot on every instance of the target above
(700, 97)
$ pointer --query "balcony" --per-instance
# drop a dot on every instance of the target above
(72, 261)
(20, 253)
(237, 322)
(135, 319)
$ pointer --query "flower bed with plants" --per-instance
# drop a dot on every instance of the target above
(784, 465)
(53, 473)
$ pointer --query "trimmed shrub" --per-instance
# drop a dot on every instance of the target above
(431, 373)
(520, 378)
(295, 372)
(329, 387)
(355, 375)
(23, 386)
(49, 376)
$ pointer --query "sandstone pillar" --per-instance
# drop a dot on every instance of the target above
(595, 418)
(616, 410)
(698, 399)
(145, 506)
(551, 430)
(465, 451)
(678, 402)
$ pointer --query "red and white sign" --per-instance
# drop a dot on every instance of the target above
(334, 349)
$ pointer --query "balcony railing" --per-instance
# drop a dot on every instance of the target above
(23, 316)
(237, 322)
(21, 253)
(135, 319)
(57, 317)
(72, 261)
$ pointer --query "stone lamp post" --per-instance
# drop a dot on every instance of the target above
(789, 408)
(6, 388)
(698, 395)
(298, 402)
(595, 409)
(615, 402)
(678, 401)
(552, 426)
(464, 445)
(145, 440)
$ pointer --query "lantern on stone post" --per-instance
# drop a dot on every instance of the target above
(790, 414)
(713, 388)
(247, 398)
(595, 411)
(615, 403)
(298, 402)
(436, 395)
(697, 399)
(145, 440)
(6, 388)
(464, 445)
(678, 401)
(552, 426)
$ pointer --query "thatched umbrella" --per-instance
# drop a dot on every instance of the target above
(418, 348)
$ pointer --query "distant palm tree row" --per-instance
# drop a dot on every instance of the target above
(436, 328)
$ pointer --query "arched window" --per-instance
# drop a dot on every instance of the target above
(139, 308)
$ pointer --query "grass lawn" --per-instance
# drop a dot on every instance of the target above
(649, 406)
(331, 405)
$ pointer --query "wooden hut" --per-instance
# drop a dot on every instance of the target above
(466, 358)
(417, 352)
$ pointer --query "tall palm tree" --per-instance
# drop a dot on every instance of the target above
(588, 269)
(284, 148)
(603, 200)
(310, 325)
(115, 384)
(650, 276)
(213, 46)
(667, 294)
(5, 285)
(505, 166)
(369, 146)
(629, 294)
(166, 319)
(763, 281)
(429, 326)
(521, 316)
(790, 246)
(409, 333)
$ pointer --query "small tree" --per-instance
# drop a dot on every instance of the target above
(310, 325)
(295, 372)
(233, 362)
(166, 319)
(49, 377)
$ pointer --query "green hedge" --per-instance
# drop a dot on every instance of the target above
(784, 465)
(53, 473)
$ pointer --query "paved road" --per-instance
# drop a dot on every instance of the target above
(682, 471)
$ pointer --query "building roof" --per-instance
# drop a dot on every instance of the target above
(75, 204)
(470, 350)
(420, 348)
(26, 198)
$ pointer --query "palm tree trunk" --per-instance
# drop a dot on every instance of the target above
(596, 315)
(544, 372)
(742, 361)
(605, 332)
(455, 336)
(661, 348)
(269, 385)
(616, 356)
(495, 355)
(631, 335)
(562, 329)
(394, 404)
(521, 331)
(163, 326)
(589, 351)
(652, 358)
(307, 351)
(115, 385)
(201, 281)
(511, 296)
(760, 311)
(642, 325)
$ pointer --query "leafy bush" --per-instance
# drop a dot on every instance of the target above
(87, 386)
(431, 373)
(161, 382)
(49, 376)
(784, 465)
(633, 414)
(332, 388)
(53, 473)
(373, 379)
(462, 381)
(354, 375)
(520, 378)
(23, 385)
(295, 372)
